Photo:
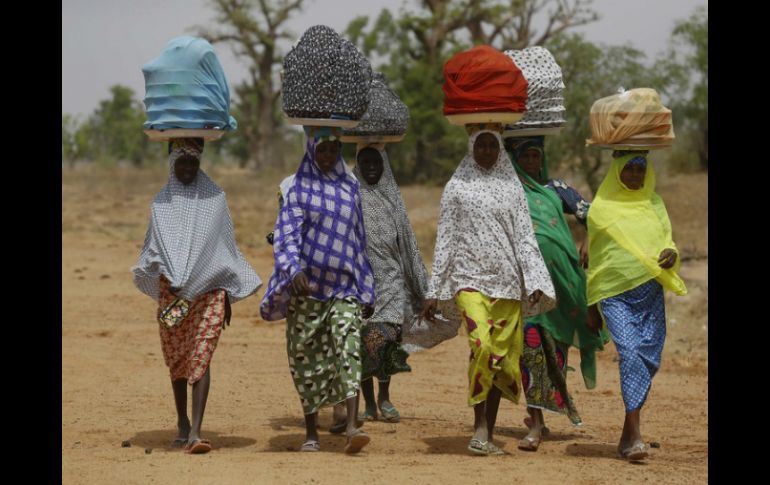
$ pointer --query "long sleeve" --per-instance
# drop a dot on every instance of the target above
(288, 235)
(445, 236)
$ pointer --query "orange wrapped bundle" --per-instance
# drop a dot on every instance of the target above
(633, 118)
(482, 80)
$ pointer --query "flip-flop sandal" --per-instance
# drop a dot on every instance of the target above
(389, 412)
(478, 447)
(338, 428)
(356, 442)
(529, 443)
(310, 445)
(198, 447)
(179, 443)
(367, 416)
(544, 432)
(635, 452)
(494, 450)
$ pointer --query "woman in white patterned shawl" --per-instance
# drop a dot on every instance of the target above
(487, 260)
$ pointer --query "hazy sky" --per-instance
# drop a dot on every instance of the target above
(106, 42)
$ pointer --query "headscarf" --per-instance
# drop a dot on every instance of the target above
(320, 231)
(485, 239)
(567, 322)
(627, 230)
(191, 240)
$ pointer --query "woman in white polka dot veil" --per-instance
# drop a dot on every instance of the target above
(487, 262)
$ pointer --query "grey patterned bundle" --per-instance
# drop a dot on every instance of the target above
(386, 115)
(545, 92)
(325, 76)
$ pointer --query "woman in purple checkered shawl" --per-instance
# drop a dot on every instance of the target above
(323, 284)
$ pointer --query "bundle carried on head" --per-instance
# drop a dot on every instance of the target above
(186, 91)
(545, 92)
(385, 119)
(482, 85)
(635, 119)
(325, 77)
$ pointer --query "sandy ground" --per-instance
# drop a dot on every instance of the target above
(115, 386)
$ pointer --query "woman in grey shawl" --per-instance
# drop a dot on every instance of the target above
(191, 266)
(400, 278)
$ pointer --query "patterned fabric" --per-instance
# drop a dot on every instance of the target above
(320, 231)
(191, 241)
(545, 88)
(189, 346)
(636, 320)
(544, 373)
(323, 341)
(325, 76)
(567, 322)
(383, 354)
(485, 238)
(494, 328)
(572, 202)
(399, 273)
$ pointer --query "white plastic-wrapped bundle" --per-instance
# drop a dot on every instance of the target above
(631, 119)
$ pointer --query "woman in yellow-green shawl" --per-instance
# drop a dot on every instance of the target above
(632, 259)
(548, 336)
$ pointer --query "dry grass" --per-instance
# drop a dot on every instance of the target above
(115, 385)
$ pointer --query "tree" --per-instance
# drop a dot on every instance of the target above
(115, 127)
(75, 139)
(416, 46)
(691, 37)
(509, 25)
(253, 29)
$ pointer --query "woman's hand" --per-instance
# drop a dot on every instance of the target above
(228, 312)
(300, 285)
(429, 310)
(667, 258)
(535, 297)
(367, 311)
(584, 255)
(594, 321)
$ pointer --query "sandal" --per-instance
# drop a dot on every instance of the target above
(310, 445)
(356, 441)
(389, 412)
(544, 432)
(494, 450)
(635, 452)
(338, 428)
(367, 416)
(528, 443)
(179, 443)
(478, 447)
(198, 447)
